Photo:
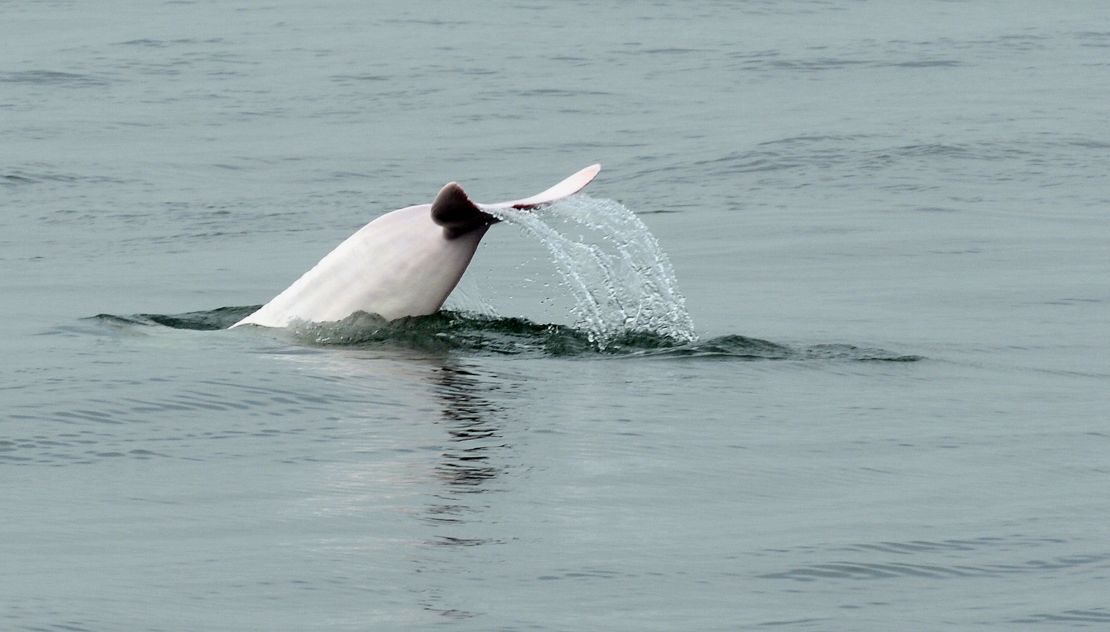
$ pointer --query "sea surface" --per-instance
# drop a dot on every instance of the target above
(876, 396)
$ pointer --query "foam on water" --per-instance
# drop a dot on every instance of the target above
(619, 276)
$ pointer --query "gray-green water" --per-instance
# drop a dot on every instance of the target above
(889, 221)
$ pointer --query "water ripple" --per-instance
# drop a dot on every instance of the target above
(196, 423)
(888, 570)
(52, 78)
(938, 559)
(1092, 615)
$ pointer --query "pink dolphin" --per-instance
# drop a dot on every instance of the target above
(403, 263)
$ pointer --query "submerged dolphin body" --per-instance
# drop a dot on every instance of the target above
(403, 263)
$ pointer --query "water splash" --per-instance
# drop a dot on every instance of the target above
(621, 280)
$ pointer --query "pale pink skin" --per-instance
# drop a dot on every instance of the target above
(400, 264)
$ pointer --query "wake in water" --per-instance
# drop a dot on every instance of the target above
(621, 280)
(449, 331)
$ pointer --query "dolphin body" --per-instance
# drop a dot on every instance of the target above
(403, 263)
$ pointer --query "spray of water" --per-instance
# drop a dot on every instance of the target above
(619, 277)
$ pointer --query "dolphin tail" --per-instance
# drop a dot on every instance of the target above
(566, 188)
(458, 215)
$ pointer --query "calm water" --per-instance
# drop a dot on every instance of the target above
(889, 221)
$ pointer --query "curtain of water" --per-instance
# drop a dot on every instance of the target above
(619, 277)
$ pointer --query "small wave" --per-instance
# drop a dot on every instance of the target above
(735, 347)
(454, 331)
(15, 179)
(446, 331)
(208, 320)
(22, 178)
(1070, 617)
(986, 543)
(51, 77)
(868, 570)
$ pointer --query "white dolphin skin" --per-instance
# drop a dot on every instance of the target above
(403, 263)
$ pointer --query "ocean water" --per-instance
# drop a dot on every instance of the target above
(889, 223)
